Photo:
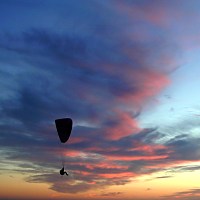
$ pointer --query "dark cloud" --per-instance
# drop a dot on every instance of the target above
(163, 177)
(192, 194)
(112, 194)
(186, 148)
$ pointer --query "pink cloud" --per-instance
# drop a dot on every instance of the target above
(126, 126)
(156, 13)
(74, 140)
(117, 175)
(149, 83)
(132, 158)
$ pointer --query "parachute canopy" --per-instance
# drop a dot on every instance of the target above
(64, 128)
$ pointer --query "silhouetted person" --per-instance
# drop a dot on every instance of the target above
(62, 172)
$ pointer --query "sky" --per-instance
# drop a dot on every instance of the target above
(126, 72)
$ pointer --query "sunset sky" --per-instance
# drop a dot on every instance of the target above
(127, 72)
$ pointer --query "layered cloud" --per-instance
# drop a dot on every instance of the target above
(192, 194)
(100, 74)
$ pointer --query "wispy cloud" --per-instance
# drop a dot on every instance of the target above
(192, 194)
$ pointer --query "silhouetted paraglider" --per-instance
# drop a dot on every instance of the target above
(62, 171)
(64, 128)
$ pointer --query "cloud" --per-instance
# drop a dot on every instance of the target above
(190, 147)
(163, 177)
(112, 194)
(192, 194)
(101, 78)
